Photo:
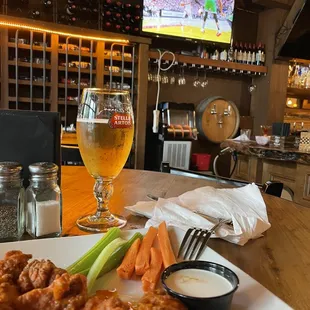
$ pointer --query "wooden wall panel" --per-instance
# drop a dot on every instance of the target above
(100, 65)
(268, 102)
(141, 106)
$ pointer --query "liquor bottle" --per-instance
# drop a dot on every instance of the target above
(240, 53)
(263, 55)
(259, 55)
(236, 51)
(249, 56)
(253, 60)
(245, 54)
(47, 3)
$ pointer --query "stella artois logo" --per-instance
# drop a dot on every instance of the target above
(120, 120)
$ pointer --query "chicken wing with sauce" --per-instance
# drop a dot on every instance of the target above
(38, 274)
(157, 300)
(13, 264)
(8, 293)
(111, 303)
(65, 293)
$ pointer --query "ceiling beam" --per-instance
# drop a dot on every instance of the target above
(274, 4)
(288, 25)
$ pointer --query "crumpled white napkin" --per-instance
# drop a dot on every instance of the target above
(244, 206)
(242, 137)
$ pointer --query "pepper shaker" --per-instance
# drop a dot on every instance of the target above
(11, 202)
(43, 201)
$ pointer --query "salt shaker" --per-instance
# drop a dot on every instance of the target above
(43, 201)
(11, 202)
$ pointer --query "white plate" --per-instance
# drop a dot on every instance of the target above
(64, 251)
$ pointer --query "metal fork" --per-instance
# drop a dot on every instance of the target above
(201, 237)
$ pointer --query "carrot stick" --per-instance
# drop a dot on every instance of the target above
(165, 245)
(127, 267)
(143, 257)
(151, 276)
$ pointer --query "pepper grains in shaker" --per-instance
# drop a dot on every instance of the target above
(11, 202)
(44, 202)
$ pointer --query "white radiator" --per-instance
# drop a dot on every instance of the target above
(177, 153)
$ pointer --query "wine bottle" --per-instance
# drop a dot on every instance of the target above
(253, 55)
(71, 20)
(236, 51)
(249, 56)
(263, 55)
(47, 3)
(240, 53)
(71, 9)
(216, 55)
(245, 54)
(68, 20)
(35, 14)
(223, 55)
(230, 55)
(259, 54)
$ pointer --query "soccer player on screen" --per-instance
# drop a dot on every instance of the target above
(187, 5)
(211, 6)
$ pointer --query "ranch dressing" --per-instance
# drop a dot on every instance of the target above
(198, 283)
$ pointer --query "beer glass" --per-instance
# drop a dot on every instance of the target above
(105, 130)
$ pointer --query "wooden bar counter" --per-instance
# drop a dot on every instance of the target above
(280, 260)
(263, 163)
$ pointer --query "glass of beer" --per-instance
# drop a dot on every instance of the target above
(105, 130)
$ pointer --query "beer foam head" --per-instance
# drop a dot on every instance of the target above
(97, 120)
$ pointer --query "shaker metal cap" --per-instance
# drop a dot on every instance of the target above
(10, 168)
(43, 168)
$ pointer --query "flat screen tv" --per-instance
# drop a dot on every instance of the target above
(201, 20)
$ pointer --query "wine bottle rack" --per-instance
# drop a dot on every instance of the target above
(47, 71)
(122, 16)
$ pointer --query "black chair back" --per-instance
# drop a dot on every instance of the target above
(28, 137)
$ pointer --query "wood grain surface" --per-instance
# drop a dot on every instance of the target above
(279, 260)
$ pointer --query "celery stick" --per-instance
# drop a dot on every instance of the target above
(86, 261)
(84, 272)
(101, 261)
(116, 258)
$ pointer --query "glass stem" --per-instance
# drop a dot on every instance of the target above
(103, 190)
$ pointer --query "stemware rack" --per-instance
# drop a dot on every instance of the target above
(48, 72)
(209, 65)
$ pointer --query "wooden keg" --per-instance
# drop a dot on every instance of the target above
(217, 119)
